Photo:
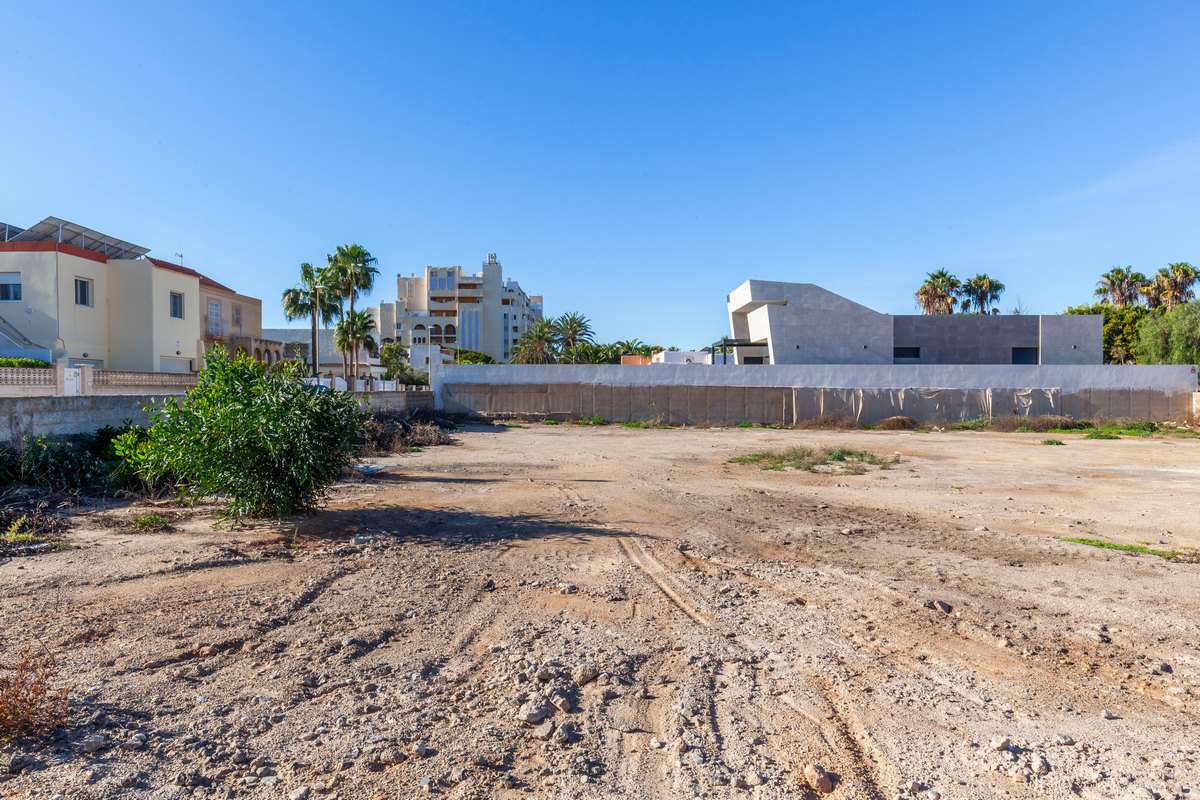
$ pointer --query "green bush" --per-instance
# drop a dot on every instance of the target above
(52, 465)
(264, 441)
(1170, 338)
(24, 363)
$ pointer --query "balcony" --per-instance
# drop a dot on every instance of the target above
(214, 328)
(473, 291)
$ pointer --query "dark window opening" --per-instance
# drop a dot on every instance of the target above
(906, 352)
(1025, 355)
(753, 360)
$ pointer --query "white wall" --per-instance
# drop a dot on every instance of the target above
(1169, 379)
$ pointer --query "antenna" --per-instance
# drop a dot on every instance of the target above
(180, 257)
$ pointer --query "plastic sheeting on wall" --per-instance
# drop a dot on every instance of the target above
(873, 405)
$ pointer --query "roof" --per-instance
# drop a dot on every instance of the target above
(182, 270)
(54, 229)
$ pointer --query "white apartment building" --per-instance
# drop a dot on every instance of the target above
(448, 307)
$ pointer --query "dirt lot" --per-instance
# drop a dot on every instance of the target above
(668, 625)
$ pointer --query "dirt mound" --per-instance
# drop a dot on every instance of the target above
(898, 424)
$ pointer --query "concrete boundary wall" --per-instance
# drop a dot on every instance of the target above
(1170, 379)
(65, 416)
(689, 394)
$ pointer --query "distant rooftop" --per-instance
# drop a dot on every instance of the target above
(53, 229)
(182, 270)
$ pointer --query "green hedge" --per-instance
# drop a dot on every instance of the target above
(22, 362)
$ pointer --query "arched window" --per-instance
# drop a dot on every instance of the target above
(435, 334)
(450, 332)
(258, 354)
(418, 334)
(277, 355)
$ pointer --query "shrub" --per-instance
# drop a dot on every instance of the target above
(29, 706)
(1170, 338)
(898, 424)
(23, 363)
(150, 522)
(58, 465)
(472, 357)
(387, 432)
(595, 419)
(263, 440)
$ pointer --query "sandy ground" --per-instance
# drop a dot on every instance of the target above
(561, 612)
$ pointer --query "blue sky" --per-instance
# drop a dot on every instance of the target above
(631, 161)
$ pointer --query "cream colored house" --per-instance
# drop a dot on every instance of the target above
(72, 295)
(447, 306)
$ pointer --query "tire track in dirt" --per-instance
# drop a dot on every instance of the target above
(657, 573)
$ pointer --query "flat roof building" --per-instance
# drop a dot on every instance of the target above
(801, 323)
(449, 307)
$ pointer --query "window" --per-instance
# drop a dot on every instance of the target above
(237, 316)
(1025, 355)
(906, 352)
(10, 286)
(83, 292)
(177, 305)
(214, 318)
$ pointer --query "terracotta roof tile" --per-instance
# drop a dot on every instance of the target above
(182, 270)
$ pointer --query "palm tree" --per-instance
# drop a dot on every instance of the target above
(630, 347)
(1178, 279)
(1120, 286)
(307, 300)
(982, 292)
(352, 271)
(1154, 291)
(538, 345)
(352, 333)
(938, 293)
(573, 329)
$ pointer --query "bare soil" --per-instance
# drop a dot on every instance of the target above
(687, 627)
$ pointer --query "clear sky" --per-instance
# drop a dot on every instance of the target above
(631, 161)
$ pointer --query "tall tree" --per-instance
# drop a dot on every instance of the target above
(1178, 281)
(352, 333)
(352, 270)
(1171, 338)
(573, 329)
(1120, 286)
(938, 293)
(982, 292)
(538, 345)
(308, 300)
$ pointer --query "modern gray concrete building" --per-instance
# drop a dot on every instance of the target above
(801, 323)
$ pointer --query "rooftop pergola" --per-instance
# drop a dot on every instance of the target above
(53, 229)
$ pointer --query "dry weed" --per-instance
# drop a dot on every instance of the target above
(29, 703)
(898, 424)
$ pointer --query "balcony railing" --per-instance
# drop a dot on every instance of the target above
(215, 326)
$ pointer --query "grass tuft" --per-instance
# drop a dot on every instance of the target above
(844, 459)
(1127, 548)
(1052, 441)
